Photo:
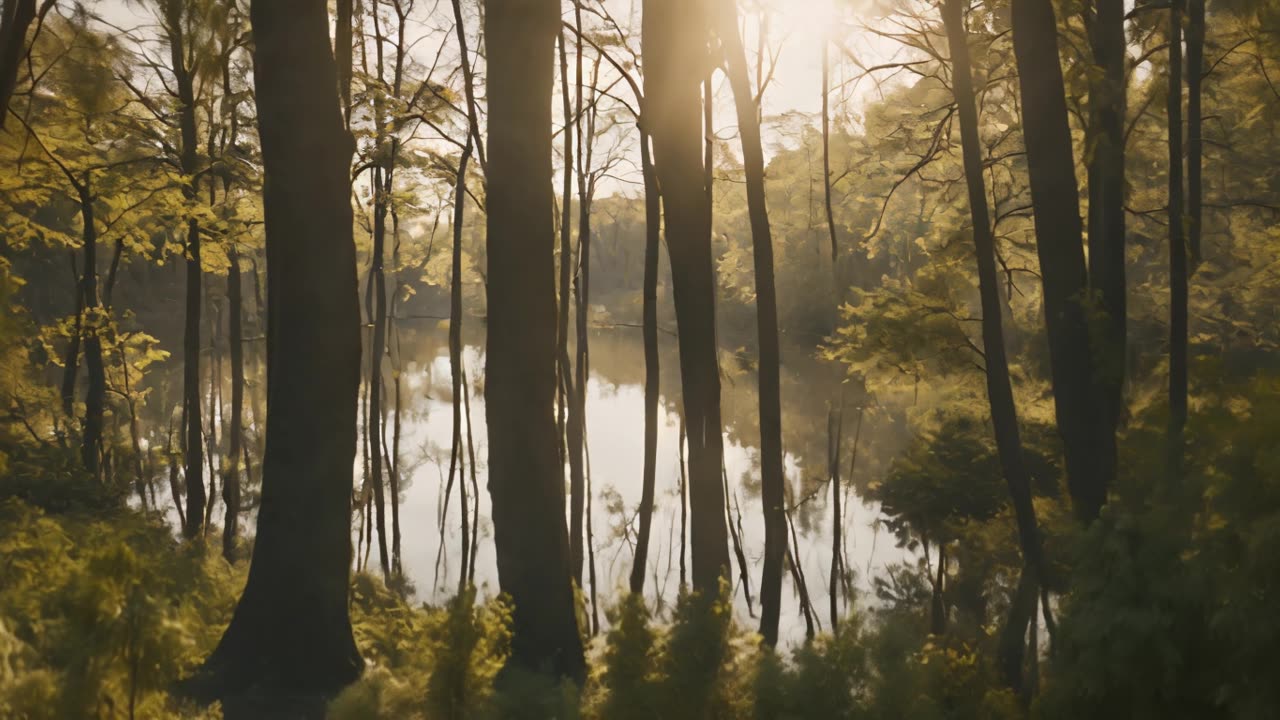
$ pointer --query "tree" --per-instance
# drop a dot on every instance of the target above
(1004, 412)
(1088, 446)
(1106, 177)
(1177, 248)
(291, 635)
(772, 480)
(674, 48)
(530, 537)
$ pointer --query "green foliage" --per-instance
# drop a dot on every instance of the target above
(101, 614)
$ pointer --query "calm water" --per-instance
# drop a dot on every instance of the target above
(615, 425)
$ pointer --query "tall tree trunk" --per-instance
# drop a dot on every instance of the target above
(1056, 206)
(1195, 120)
(771, 476)
(174, 20)
(573, 390)
(568, 432)
(1177, 248)
(675, 41)
(235, 435)
(1107, 92)
(291, 636)
(835, 428)
(96, 392)
(828, 205)
(530, 537)
(455, 350)
(652, 235)
(378, 283)
(1004, 412)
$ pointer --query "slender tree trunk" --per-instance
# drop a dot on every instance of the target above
(71, 359)
(290, 636)
(567, 430)
(378, 283)
(174, 20)
(771, 476)
(1195, 120)
(1107, 92)
(826, 160)
(1177, 249)
(1055, 204)
(652, 231)
(684, 506)
(91, 447)
(1004, 413)
(235, 436)
(342, 56)
(530, 537)
(675, 41)
(835, 429)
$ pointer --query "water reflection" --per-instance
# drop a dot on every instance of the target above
(615, 425)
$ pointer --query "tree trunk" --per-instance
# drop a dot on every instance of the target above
(291, 634)
(1177, 249)
(174, 20)
(1055, 204)
(235, 435)
(771, 475)
(16, 19)
(378, 283)
(1107, 91)
(530, 537)
(652, 230)
(455, 352)
(568, 433)
(96, 392)
(71, 358)
(1004, 412)
(1195, 119)
(835, 428)
(826, 161)
(674, 45)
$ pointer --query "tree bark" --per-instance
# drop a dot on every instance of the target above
(291, 634)
(771, 474)
(1056, 207)
(530, 537)
(674, 46)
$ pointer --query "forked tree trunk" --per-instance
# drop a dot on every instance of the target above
(674, 43)
(530, 537)
(290, 643)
